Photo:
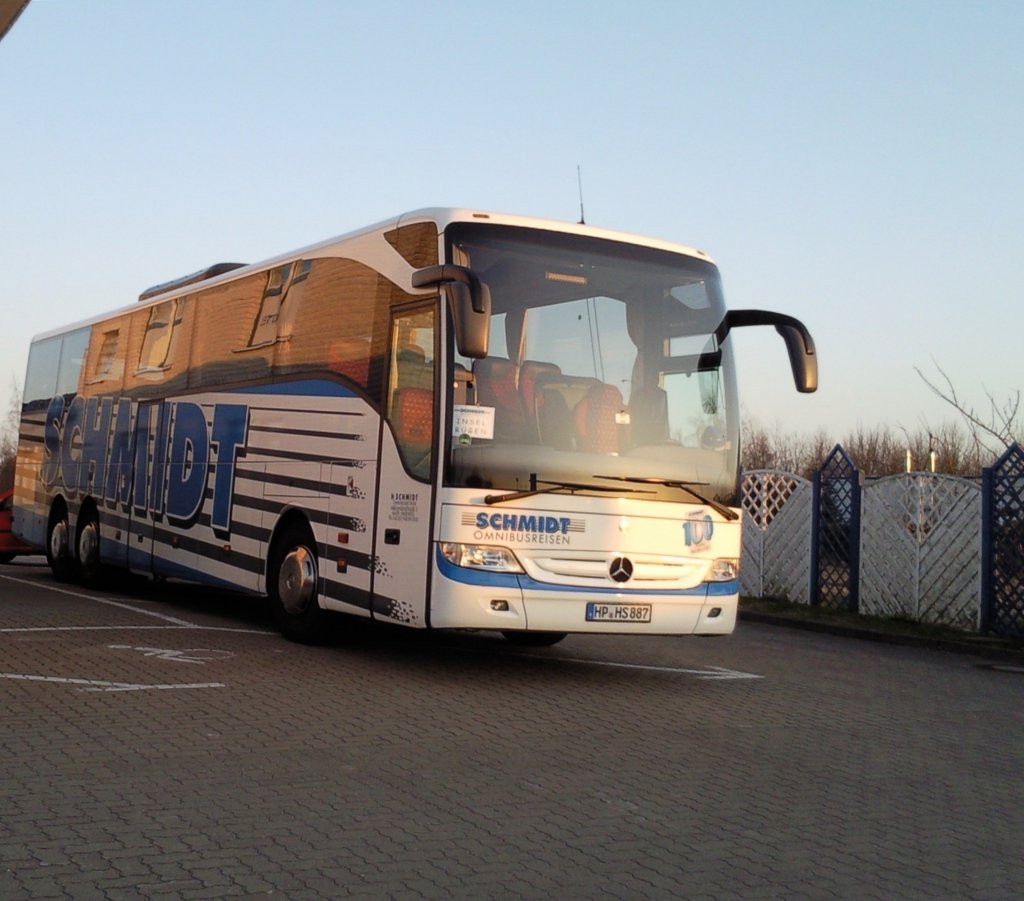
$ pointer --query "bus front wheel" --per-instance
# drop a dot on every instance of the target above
(292, 581)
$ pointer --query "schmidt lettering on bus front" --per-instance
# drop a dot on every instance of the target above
(526, 528)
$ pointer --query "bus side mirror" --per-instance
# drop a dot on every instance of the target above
(802, 358)
(470, 302)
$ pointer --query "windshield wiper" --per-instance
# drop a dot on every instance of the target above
(688, 487)
(551, 488)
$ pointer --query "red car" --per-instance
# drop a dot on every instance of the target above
(10, 547)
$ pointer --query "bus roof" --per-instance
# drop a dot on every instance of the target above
(442, 216)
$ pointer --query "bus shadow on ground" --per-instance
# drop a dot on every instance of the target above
(340, 630)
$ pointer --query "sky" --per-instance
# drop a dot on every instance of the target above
(858, 165)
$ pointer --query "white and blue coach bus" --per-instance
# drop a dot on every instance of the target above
(453, 419)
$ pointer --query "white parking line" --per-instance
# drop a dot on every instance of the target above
(108, 601)
(100, 685)
(163, 616)
(174, 622)
(712, 673)
(196, 628)
(715, 673)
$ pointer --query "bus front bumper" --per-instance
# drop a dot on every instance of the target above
(467, 599)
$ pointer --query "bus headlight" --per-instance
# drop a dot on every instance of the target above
(724, 569)
(481, 556)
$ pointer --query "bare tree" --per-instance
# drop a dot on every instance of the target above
(880, 451)
(877, 452)
(992, 430)
(800, 454)
(9, 439)
(757, 450)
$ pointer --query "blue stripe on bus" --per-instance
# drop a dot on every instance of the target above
(521, 580)
(304, 388)
(174, 570)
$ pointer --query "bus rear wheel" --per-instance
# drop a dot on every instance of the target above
(58, 552)
(292, 582)
(90, 571)
(533, 639)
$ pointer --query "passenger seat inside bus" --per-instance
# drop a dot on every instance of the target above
(413, 417)
(554, 419)
(532, 375)
(496, 380)
(596, 419)
(412, 408)
(648, 413)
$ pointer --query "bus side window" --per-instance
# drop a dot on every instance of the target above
(106, 356)
(159, 347)
(164, 318)
(72, 358)
(411, 391)
(338, 319)
(282, 296)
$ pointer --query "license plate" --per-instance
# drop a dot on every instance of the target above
(618, 613)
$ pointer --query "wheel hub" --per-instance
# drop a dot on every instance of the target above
(296, 581)
(88, 546)
(59, 540)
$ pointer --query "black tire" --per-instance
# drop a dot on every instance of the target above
(87, 547)
(533, 639)
(293, 586)
(58, 551)
(6, 558)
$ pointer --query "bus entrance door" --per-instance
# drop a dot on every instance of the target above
(402, 545)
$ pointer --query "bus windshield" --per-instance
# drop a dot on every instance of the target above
(602, 362)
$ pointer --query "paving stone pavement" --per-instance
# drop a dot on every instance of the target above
(165, 743)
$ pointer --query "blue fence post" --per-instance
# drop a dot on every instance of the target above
(815, 586)
(856, 491)
(835, 543)
(987, 562)
(1002, 545)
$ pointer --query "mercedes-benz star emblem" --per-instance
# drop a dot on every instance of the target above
(621, 569)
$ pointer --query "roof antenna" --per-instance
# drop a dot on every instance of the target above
(579, 181)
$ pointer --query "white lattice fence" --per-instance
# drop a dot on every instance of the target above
(920, 549)
(776, 536)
